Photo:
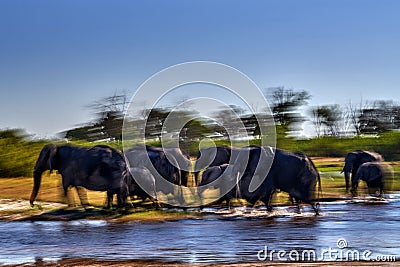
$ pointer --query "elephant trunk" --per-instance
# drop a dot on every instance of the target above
(354, 183)
(37, 179)
(44, 162)
(347, 169)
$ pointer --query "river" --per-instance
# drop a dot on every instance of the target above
(344, 231)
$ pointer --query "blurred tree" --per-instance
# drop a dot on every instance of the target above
(317, 120)
(285, 105)
(110, 113)
(252, 125)
(381, 116)
(229, 122)
(328, 118)
(154, 122)
(90, 132)
(352, 115)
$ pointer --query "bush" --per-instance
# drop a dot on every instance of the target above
(17, 155)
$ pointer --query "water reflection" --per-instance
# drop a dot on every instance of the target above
(219, 237)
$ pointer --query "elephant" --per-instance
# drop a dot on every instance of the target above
(375, 174)
(146, 180)
(99, 168)
(210, 175)
(293, 173)
(213, 156)
(157, 162)
(184, 162)
(181, 157)
(354, 160)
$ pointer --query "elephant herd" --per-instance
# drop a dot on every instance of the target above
(369, 167)
(252, 173)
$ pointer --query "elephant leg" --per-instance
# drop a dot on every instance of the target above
(315, 206)
(354, 189)
(297, 204)
(228, 204)
(267, 203)
(69, 195)
(181, 196)
(347, 179)
(82, 194)
(70, 198)
(155, 202)
(291, 199)
(381, 189)
(66, 184)
(270, 196)
(122, 201)
(267, 199)
(119, 201)
(110, 197)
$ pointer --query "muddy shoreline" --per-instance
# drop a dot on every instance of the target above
(20, 210)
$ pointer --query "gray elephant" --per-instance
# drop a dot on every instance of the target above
(98, 168)
(354, 160)
(375, 174)
(271, 169)
(179, 157)
(209, 178)
(293, 173)
(146, 189)
(142, 176)
(163, 168)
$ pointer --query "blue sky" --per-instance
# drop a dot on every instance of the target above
(56, 57)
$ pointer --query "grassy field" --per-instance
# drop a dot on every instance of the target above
(332, 182)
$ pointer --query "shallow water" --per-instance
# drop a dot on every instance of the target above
(221, 236)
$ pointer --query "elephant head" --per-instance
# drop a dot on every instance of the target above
(354, 160)
(46, 161)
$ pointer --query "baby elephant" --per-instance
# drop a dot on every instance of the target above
(147, 187)
(209, 180)
(375, 174)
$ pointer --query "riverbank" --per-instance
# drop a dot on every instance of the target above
(20, 210)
